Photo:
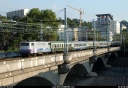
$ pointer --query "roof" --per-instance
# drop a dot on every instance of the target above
(105, 15)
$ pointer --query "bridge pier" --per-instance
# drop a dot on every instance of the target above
(62, 69)
(106, 59)
(92, 60)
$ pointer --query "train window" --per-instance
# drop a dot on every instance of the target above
(62, 45)
(24, 44)
(52, 46)
(32, 44)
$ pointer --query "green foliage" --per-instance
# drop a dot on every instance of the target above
(2, 17)
(50, 35)
(88, 24)
(72, 22)
(45, 15)
(16, 18)
(75, 23)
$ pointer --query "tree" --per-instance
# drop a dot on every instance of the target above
(71, 23)
(2, 17)
(48, 19)
(34, 14)
(49, 16)
(16, 18)
(27, 19)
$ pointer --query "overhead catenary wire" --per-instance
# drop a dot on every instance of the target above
(59, 11)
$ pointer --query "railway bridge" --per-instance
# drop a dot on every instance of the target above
(49, 70)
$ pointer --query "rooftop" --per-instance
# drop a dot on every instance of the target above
(98, 15)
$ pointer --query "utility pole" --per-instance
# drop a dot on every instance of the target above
(94, 37)
(86, 35)
(41, 31)
(121, 33)
(65, 34)
(108, 34)
(63, 68)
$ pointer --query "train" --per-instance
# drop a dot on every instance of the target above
(41, 47)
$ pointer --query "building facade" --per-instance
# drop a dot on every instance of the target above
(107, 26)
(74, 34)
(20, 13)
(62, 35)
(115, 27)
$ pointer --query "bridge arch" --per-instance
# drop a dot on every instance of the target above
(78, 69)
(112, 58)
(75, 70)
(99, 64)
(35, 81)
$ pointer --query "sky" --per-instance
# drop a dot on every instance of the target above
(117, 8)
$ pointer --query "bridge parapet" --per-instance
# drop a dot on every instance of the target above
(101, 51)
(77, 54)
(13, 65)
(114, 49)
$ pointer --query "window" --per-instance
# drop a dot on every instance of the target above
(55, 46)
(32, 44)
(24, 44)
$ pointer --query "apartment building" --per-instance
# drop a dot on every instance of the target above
(107, 26)
(20, 13)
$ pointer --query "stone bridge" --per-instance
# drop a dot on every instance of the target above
(53, 69)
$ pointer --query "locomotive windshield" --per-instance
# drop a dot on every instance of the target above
(24, 44)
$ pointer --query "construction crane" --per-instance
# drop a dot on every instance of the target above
(80, 14)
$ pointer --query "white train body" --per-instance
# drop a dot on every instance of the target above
(103, 44)
(79, 45)
(34, 47)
